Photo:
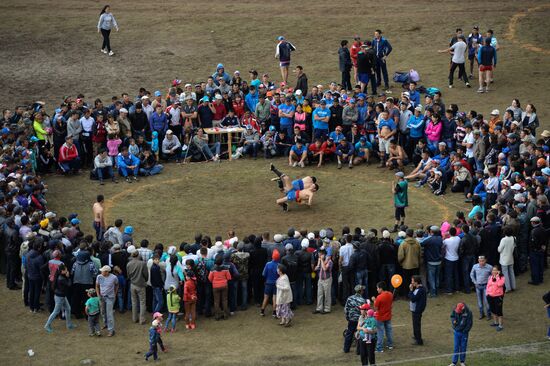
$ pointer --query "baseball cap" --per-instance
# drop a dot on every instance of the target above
(158, 93)
(280, 38)
(169, 132)
(400, 174)
(495, 112)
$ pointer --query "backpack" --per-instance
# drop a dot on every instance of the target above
(200, 270)
(413, 75)
(401, 77)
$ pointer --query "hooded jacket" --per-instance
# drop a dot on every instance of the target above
(409, 254)
(34, 262)
(462, 322)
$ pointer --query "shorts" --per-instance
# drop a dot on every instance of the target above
(363, 78)
(284, 63)
(384, 145)
(270, 289)
(298, 184)
(485, 68)
(291, 195)
(495, 304)
(399, 213)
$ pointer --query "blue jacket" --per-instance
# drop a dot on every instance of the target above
(487, 56)
(224, 76)
(153, 336)
(382, 47)
(418, 300)
(34, 262)
(433, 248)
(270, 272)
(158, 123)
(347, 149)
(124, 162)
(251, 100)
(414, 97)
(416, 126)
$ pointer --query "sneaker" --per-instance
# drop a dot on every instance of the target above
(193, 326)
(452, 364)
(98, 334)
(187, 326)
(486, 89)
(470, 76)
(379, 351)
(494, 324)
(115, 181)
(339, 165)
(450, 86)
(481, 316)
(390, 347)
(481, 90)
(72, 326)
(111, 53)
(262, 312)
(418, 185)
(128, 180)
(295, 164)
(301, 164)
(274, 314)
(350, 166)
(104, 50)
(462, 364)
(136, 179)
(468, 85)
(101, 182)
(48, 329)
(499, 328)
(285, 207)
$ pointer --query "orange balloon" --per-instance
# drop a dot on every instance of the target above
(396, 280)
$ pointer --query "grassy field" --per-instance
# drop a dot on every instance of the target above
(51, 49)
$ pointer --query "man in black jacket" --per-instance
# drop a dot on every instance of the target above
(344, 63)
(139, 121)
(537, 249)
(290, 261)
(11, 243)
(417, 305)
(467, 251)
(301, 83)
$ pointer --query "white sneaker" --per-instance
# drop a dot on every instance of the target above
(481, 90)
(184, 147)
(294, 164)
(302, 165)
(450, 86)
(111, 53)
(103, 50)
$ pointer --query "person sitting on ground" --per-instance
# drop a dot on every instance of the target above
(462, 178)
(316, 152)
(437, 183)
(422, 167)
(148, 164)
(200, 140)
(103, 167)
(128, 164)
(397, 158)
(171, 147)
(250, 142)
(362, 151)
(298, 154)
(344, 153)
(69, 162)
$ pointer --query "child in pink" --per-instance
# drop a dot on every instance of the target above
(113, 143)
(300, 118)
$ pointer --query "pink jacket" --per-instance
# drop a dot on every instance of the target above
(495, 288)
(433, 132)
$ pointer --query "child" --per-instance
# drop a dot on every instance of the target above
(300, 118)
(92, 310)
(158, 317)
(154, 143)
(154, 337)
(121, 286)
(133, 148)
(370, 325)
(113, 142)
(190, 295)
(173, 304)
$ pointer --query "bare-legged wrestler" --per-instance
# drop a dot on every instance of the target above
(286, 184)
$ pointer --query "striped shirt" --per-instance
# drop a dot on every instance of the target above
(325, 274)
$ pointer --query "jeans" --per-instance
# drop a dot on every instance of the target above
(98, 230)
(451, 275)
(107, 311)
(382, 68)
(362, 278)
(125, 172)
(93, 323)
(232, 294)
(433, 277)
(172, 319)
(536, 261)
(466, 266)
(158, 299)
(461, 344)
(382, 327)
(482, 300)
(120, 298)
(243, 286)
(319, 133)
(61, 303)
(151, 171)
(207, 150)
(106, 41)
(153, 351)
(70, 165)
(106, 172)
(348, 337)
(386, 272)
(138, 303)
(346, 80)
(204, 293)
(509, 277)
(417, 327)
(35, 287)
(251, 149)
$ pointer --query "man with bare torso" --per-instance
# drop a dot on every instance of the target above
(286, 184)
(99, 219)
(301, 197)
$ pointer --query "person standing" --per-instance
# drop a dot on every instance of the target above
(480, 274)
(487, 60)
(382, 49)
(352, 312)
(106, 288)
(461, 321)
(61, 287)
(366, 61)
(537, 249)
(400, 199)
(450, 248)
(417, 305)
(495, 296)
(345, 64)
(324, 285)
(220, 277)
(506, 250)
(383, 304)
(138, 275)
(99, 219)
(409, 256)
(106, 22)
(458, 52)
(283, 297)
(282, 52)
(345, 254)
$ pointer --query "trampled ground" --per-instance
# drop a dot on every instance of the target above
(51, 49)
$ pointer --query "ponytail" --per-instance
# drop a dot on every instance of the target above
(103, 10)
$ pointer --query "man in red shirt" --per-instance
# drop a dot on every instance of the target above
(220, 113)
(383, 304)
(68, 156)
(354, 50)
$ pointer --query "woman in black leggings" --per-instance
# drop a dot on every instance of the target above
(106, 22)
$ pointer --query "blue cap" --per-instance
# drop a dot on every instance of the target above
(280, 38)
(363, 139)
(72, 216)
(34, 139)
(5, 131)
(155, 133)
(158, 93)
(272, 128)
(58, 110)
(220, 66)
(205, 99)
(546, 171)
(361, 96)
(75, 221)
(128, 230)
(24, 162)
(352, 100)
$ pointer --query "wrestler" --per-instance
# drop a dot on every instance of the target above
(286, 184)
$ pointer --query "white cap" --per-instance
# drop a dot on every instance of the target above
(219, 97)
(131, 249)
(516, 187)
(298, 92)
(305, 243)
(385, 234)
(278, 238)
(297, 234)
(401, 234)
(169, 132)
(144, 97)
(123, 110)
(311, 236)
(495, 112)
(171, 250)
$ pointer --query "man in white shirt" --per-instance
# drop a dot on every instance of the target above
(146, 106)
(468, 141)
(347, 273)
(458, 51)
(114, 234)
(450, 246)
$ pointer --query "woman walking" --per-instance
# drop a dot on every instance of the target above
(495, 296)
(106, 22)
(61, 287)
(284, 297)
